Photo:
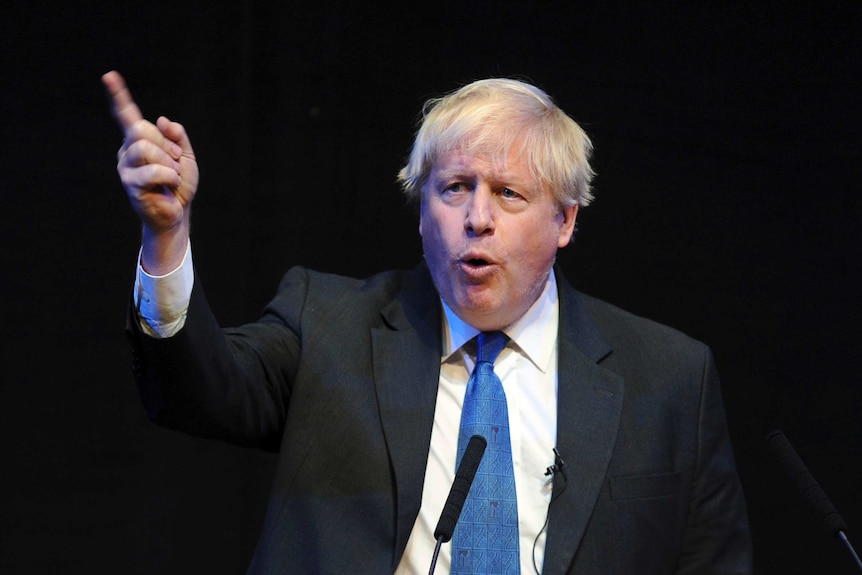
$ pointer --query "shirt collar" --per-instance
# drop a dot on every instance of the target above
(534, 334)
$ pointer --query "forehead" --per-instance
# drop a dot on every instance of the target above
(503, 167)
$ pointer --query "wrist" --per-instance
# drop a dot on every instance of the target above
(163, 251)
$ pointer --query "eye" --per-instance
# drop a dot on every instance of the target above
(510, 194)
(455, 188)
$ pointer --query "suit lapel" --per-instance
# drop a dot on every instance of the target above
(406, 354)
(589, 405)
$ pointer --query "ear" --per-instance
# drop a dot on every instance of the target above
(567, 225)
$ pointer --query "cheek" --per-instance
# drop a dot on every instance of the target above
(429, 231)
(428, 221)
(538, 250)
(435, 227)
(433, 243)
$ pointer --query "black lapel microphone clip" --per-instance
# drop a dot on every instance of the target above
(559, 465)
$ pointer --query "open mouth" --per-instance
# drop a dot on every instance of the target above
(477, 268)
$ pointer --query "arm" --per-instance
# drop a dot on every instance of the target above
(226, 384)
(194, 379)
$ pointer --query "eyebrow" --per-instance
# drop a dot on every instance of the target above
(458, 171)
(464, 173)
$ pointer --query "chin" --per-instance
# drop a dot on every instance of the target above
(483, 319)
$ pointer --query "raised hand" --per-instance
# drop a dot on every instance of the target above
(159, 172)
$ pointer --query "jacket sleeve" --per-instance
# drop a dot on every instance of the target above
(716, 538)
(226, 384)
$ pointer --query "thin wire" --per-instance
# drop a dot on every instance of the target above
(548, 516)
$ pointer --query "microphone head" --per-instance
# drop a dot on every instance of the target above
(460, 488)
(472, 457)
(814, 495)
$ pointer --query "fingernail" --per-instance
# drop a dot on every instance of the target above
(177, 151)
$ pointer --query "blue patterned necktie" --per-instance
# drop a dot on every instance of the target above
(486, 536)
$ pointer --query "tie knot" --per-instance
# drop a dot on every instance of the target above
(489, 345)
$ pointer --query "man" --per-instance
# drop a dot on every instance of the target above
(360, 384)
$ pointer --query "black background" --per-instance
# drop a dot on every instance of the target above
(728, 152)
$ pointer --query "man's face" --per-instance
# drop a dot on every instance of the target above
(490, 234)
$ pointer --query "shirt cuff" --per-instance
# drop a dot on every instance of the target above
(162, 302)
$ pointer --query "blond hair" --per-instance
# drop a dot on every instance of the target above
(487, 117)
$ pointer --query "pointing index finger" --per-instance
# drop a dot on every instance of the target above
(125, 110)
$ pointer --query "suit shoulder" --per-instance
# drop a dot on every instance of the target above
(380, 284)
(624, 329)
(333, 297)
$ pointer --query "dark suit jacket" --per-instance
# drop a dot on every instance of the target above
(340, 376)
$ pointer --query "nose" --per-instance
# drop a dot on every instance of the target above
(479, 219)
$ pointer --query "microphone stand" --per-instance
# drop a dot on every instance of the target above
(437, 553)
(852, 551)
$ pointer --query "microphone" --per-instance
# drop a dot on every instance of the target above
(558, 466)
(460, 487)
(805, 482)
(458, 493)
(810, 489)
